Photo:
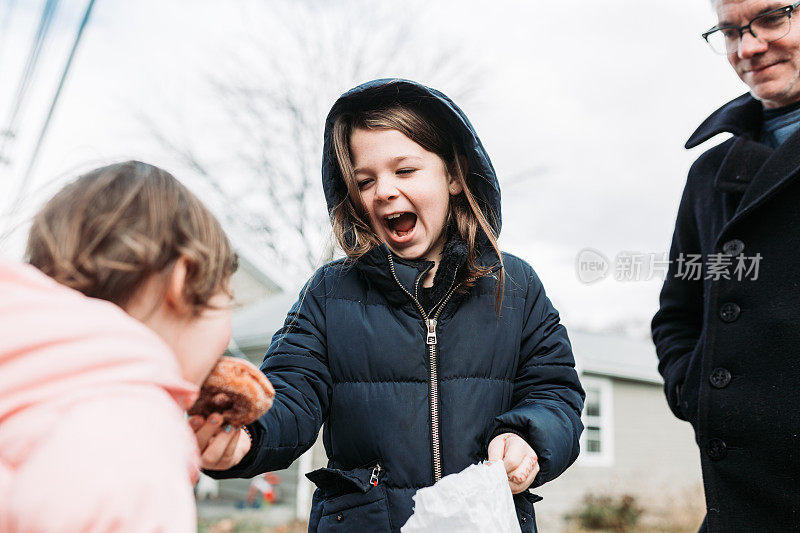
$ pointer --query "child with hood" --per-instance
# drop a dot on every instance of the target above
(426, 349)
(103, 347)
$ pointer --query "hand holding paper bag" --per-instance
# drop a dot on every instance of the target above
(521, 462)
(477, 499)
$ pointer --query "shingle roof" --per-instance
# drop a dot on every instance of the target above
(615, 356)
(254, 324)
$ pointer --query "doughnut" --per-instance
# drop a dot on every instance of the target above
(237, 390)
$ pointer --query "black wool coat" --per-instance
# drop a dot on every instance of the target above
(405, 401)
(729, 345)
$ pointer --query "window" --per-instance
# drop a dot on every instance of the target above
(597, 441)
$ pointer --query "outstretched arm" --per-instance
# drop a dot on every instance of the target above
(296, 365)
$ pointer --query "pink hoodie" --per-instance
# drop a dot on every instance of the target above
(93, 435)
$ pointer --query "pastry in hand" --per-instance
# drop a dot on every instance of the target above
(237, 390)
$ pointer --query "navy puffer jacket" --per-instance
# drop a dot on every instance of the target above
(406, 400)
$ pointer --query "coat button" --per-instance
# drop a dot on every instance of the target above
(716, 449)
(719, 378)
(729, 312)
(339, 518)
(524, 519)
(733, 247)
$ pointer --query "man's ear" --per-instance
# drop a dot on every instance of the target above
(176, 285)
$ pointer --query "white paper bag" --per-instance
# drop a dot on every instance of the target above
(477, 499)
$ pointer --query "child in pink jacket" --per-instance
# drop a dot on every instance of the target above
(100, 358)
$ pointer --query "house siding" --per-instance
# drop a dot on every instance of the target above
(654, 459)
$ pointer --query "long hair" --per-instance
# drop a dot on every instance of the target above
(349, 220)
(109, 230)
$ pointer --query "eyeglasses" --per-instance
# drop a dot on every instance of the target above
(767, 27)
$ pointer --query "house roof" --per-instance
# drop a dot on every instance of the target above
(602, 354)
(615, 356)
(254, 324)
(268, 280)
(257, 264)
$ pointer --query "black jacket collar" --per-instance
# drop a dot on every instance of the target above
(749, 168)
(380, 271)
(741, 117)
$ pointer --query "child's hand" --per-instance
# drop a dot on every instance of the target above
(221, 447)
(521, 462)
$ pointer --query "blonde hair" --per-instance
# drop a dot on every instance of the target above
(112, 228)
(350, 223)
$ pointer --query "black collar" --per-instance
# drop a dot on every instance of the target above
(386, 274)
(741, 117)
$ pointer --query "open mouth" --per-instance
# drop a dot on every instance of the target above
(401, 224)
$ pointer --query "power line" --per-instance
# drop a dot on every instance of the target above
(8, 14)
(46, 125)
(15, 205)
(27, 76)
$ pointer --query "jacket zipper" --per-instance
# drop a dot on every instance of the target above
(373, 479)
(432, 343)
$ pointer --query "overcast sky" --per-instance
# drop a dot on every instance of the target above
(583, 106)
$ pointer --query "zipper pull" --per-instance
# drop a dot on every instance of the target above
(373, 480)
(431, 338)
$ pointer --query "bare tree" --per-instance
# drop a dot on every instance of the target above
(271, 101)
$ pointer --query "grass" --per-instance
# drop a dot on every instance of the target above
(248, 525)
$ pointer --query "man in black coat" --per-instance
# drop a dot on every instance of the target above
(728, 329)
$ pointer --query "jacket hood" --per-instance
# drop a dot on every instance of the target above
(741, 116)
(59, 345)
(482, 179)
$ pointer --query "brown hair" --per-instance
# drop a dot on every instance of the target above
(348, 217)
(112, 228)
